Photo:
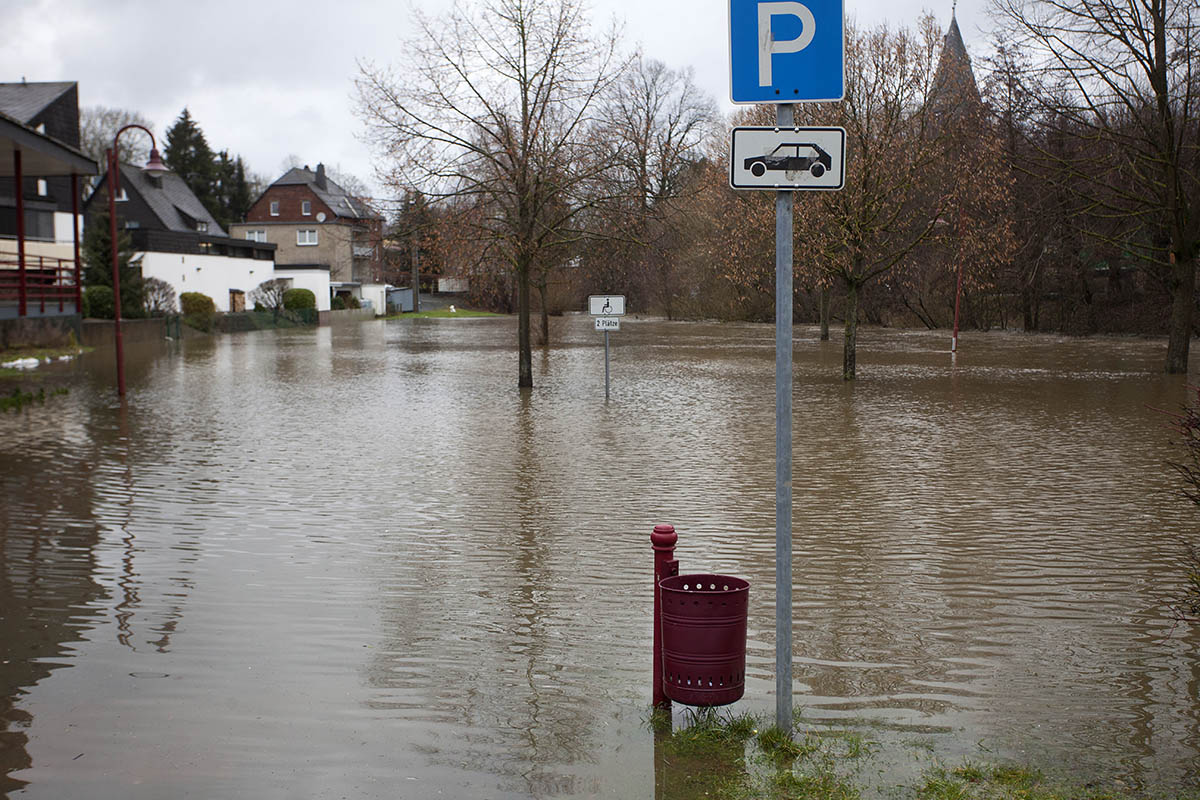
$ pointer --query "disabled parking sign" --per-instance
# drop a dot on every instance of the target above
(786, 51)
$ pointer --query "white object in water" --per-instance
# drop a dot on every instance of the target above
(452, 310)
(21, 363)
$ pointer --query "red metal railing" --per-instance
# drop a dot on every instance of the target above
(48, 281)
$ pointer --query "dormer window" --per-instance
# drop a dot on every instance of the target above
(274, 208)
(121, 196)
(306, 207)
(202, 227)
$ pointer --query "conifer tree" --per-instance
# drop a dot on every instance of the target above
(97, 259)
(188, 155)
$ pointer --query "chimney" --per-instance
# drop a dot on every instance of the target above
(321, 176)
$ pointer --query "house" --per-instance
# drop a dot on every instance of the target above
(318, 227)
(39, 153)
(177, 240)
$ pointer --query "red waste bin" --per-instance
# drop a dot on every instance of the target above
(704, 638)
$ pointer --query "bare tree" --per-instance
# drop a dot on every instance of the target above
(655, 121)
(891, 201)
(495, 105)
(1120, 78)
(269, 294)
(99, 124)
(158, 296)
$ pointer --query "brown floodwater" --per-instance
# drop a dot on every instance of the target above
(355, 561)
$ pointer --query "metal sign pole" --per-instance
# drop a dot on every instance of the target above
(606, 365)
(783, 446)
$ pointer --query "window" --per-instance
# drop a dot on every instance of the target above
(305, 237)
(202, 227)
(130, 224)
(41, 187)
(274, 208)
(121, 196)
(306, 207)
(256, 236)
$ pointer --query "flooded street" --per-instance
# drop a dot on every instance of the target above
(354, 561)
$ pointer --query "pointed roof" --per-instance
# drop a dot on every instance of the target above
(170, 198)
(338, 199)
(954, 80)
(24, 101)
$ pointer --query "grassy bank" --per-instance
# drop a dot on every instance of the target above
(53, 354)
(743, 757)
(443, 313)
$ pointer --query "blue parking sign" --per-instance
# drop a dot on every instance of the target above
(786, 51)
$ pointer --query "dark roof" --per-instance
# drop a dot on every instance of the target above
(954, 45)
(42, 156)
(334, 196)
(24, 101)
(170, 199)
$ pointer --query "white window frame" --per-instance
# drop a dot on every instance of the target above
(274, 208)
(306, 208)
(41, 187)
(121, 196)
(303, 236)
(256, 236)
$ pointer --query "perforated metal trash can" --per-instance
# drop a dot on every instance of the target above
(704, 638)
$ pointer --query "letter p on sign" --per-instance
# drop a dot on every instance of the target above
(786, 51)
(768, 45)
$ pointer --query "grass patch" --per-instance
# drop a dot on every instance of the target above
(739, 757)
(443, 313)
(19, 399)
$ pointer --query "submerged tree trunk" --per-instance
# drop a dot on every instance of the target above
(525, 355)
(826, 293)
(545, 315)
(1183, 291)
(848, 355)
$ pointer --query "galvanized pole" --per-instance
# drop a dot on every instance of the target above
(416, 272)
(783, 447)
(606, 365)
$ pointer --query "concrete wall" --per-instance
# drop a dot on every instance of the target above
(315, 280)
(210, 275)
(100, 332)
(40, 332)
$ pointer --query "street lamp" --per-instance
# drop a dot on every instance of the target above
(154, 168)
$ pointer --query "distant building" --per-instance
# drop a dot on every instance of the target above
(177, 240)
(318, 226)
(41, 168)
(52, 110)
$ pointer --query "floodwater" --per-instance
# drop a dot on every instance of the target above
(355, 561)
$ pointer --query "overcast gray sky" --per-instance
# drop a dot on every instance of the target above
(268, 79)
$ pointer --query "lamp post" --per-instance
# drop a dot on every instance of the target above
(154, 167)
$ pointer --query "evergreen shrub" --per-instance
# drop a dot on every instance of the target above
(98, 302)
(194, 303)
(299, 299)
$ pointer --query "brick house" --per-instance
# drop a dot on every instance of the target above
(316, 224)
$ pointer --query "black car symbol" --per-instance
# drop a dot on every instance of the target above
(791, 157)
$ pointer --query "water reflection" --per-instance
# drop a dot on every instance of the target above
(357, 554)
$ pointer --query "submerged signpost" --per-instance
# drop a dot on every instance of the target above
(608, 310)
(785, 52)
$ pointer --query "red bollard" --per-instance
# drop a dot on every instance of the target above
(663, 539)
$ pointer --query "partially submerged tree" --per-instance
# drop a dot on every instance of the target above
(1120, 80)
(494, 107)
(269, 295)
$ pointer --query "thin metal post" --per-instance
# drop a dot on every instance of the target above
(75, 242)
(116, 266)
(663, 541)
(783, 447)
(18, 184)
(606, 365)
(416, 271)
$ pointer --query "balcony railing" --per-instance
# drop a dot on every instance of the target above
(49, 282)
